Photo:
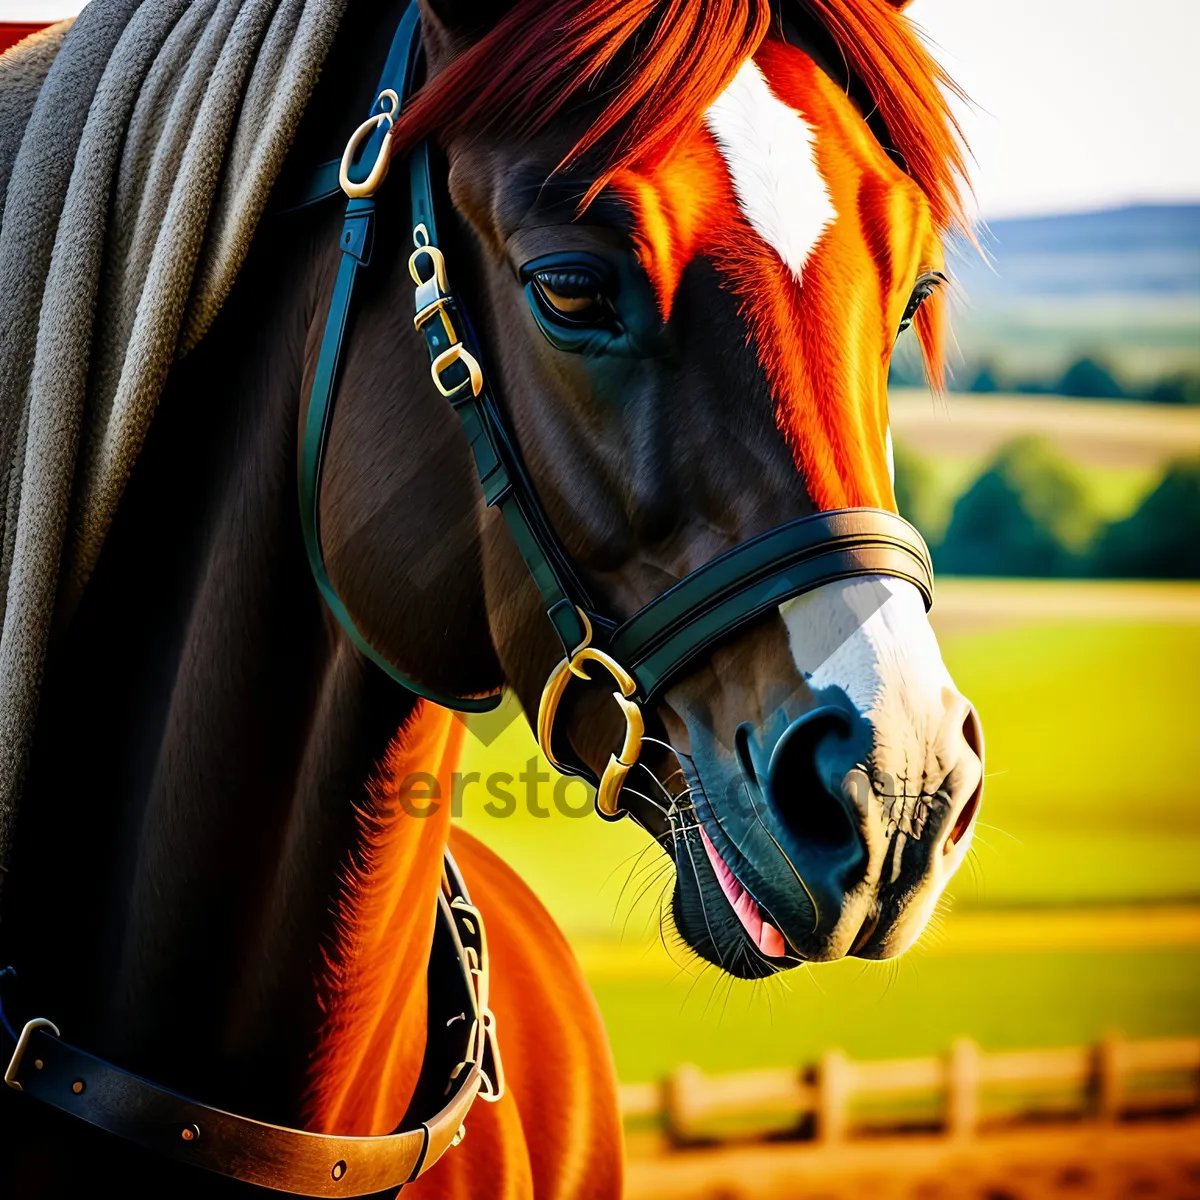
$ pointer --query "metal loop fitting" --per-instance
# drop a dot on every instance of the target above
(425, 249)
(482, 1043)
(608, 794)
(382, 159)
(433, 296)
(14, 1063)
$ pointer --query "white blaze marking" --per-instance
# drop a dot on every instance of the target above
(768, 148)
(871, 638)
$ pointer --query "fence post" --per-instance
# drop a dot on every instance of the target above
(834, 1083)
(1110, 1082)
(679, 1089)
(962, 1089)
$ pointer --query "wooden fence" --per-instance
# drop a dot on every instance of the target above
(958, 1095)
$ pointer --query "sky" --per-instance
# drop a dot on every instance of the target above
(1076, 103)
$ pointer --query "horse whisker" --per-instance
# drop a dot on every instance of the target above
(703, 906)
(666, 746)
(666, 812)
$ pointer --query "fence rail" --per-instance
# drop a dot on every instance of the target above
(959, 1093)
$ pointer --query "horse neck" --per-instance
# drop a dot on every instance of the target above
(371, 1047)
(214, 880)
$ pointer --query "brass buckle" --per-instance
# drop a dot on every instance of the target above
(436, 288)
(483, 1025)
(619, 765)
(14, 1063)
(382, 159)
(436, 309)
(457, 353)
(425, 249)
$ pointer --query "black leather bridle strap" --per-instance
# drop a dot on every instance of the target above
(320, 184)
(46, 1068)
(457, 366)
(355, 245)
(658, 642)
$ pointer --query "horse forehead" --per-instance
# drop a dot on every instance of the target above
(769, 151)
(784, 151)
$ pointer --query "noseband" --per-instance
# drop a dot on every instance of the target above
(650, 649)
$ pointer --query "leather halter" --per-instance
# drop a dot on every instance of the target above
(462, 1063)
(653, 647)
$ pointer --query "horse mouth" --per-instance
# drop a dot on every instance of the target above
(760, 931)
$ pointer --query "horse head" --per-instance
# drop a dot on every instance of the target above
(689, 250)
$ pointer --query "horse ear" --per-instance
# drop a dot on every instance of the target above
(467, 17)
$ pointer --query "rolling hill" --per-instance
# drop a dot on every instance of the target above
(1121, 286)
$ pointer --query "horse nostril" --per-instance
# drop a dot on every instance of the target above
(808, 794)
(972, 732)
(745, 754)
(963, 823)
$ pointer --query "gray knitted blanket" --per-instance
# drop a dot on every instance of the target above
(137, 149)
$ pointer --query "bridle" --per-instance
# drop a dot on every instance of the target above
(644, 653)
(641, 655)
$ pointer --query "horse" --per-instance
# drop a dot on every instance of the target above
(691, 234)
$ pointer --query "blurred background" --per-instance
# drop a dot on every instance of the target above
(1043, 1038)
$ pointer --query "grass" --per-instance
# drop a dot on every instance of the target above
(915, 1006)
(1090, 799)
(1089, 728)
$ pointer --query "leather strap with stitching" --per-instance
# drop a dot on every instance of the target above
(659, 641)
(46, 1068)
(355, 244)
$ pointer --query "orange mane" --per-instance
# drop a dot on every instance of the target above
(663, 62)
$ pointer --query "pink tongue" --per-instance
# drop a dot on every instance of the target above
(764, 935)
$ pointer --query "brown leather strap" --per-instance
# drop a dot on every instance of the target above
(48, 1069)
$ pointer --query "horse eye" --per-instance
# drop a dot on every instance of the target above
(925, 287)
(573, 293)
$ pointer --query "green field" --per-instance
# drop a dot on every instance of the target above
(1091, 806)
(915, 1007)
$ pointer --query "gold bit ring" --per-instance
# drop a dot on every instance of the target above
(619, 765)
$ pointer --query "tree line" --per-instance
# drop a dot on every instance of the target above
(1087, 378)
(1028, 514)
